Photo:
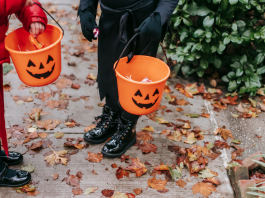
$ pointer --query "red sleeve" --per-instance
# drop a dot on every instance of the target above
(8, 7)
(30, 14)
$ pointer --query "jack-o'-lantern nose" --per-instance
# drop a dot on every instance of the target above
(147, 97)
(41, 66)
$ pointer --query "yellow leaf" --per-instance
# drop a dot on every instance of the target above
(190, 139)
(148, 128)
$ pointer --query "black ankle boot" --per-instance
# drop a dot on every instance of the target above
(12, 159)
(105, 128)
(122, 140)
(20, 178)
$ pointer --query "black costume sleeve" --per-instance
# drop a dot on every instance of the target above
(91, 5)
(165, 8)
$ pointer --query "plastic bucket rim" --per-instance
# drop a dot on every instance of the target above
(145, 83)
(36, 51)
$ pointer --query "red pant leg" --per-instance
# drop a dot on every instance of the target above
(2, 114)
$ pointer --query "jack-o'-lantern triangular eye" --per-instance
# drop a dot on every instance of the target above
(138, 93)
(31, 64)
(156, 92)
(49, 59)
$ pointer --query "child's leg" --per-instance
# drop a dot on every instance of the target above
(128, 116)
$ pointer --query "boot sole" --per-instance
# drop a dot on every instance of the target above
(93, 141)
(110, 155)
(18, 185)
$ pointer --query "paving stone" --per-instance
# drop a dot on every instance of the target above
(243, 188)
(235, 174)
(247, 162)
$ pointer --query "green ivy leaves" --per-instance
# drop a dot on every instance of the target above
(220, 33)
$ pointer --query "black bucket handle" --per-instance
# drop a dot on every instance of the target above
(132, 57)
(49, 15)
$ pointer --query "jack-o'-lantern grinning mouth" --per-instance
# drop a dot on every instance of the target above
(43, 75)
(146, 106)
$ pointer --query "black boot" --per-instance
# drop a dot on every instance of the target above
(105, 128)
(12, 159)
(19, 178)
(122, 140)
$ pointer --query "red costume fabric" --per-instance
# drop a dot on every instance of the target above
(26, 16)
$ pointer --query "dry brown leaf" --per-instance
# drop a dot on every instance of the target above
(190, 139)
(63, 83)
(181, 183)
(182, 102)
(101, 104)
(43, 135)
(35, 114)
(56, 157)
(114, 165)
(242, 109)
(206, 115)
(147, 148)
(33, 193)
(213, 180)
(107, 192)
(176, 136)
(94, 157)
(165, 132)
(58, 135)
(204, 189)
(60, 104)
(70, 123)
(137, 191)
(213, 82)
(137, 167)
(224, 133)
(77, 191)
(148, 128)
(145, 136)
(35, 145)
(75, 86)
(55, 176)
(179, 109)
(88, 128)
(91, 77)
(30, 137)
(157, 184)
(120, 173)
(72, 180)
(43, 96)
(161, 167)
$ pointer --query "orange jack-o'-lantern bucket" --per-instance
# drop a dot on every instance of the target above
(138, 97)
(36, 67)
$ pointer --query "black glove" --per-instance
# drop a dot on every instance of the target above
(151, 27)
(88, 23)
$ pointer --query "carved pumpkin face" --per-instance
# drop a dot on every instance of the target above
(138, 97)
(44, 71)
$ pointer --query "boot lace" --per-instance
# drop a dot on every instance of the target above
(123, 130)
(103, 119)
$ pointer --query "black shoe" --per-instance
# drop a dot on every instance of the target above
(21, 178)
(105, 128)
(13, 158)
(122, 140)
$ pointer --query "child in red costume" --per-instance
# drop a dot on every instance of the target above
(34, 20)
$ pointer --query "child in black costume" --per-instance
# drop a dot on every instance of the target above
(119, 21)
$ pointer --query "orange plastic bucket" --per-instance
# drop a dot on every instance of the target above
(135, 96)
(36, 67)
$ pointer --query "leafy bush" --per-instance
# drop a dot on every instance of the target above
(220, 34)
